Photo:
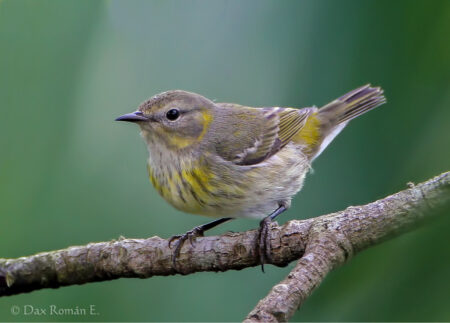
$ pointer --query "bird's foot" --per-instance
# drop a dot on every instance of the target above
(191, 235)
(263, 243)
(264, 246)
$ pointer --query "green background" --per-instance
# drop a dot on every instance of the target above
(70, 175)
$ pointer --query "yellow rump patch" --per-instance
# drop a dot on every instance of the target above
(310, 133)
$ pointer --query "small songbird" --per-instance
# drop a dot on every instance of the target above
(231, 161)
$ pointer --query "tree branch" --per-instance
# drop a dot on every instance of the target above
(321, 243)
(334, 238)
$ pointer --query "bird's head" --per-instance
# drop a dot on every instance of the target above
(176, 119)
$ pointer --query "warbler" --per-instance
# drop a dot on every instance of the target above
(232, 161)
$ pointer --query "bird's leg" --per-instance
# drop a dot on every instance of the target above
(264, 246)
(191, 235)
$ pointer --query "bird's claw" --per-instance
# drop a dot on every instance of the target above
(264, 246)
(191, 235)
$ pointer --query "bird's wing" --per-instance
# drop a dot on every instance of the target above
(255, 134)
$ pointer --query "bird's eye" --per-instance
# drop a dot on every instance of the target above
(173, 114)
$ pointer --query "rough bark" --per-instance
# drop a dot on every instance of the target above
(335, 238)
(321, 244)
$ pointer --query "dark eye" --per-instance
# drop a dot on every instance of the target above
(173, 114)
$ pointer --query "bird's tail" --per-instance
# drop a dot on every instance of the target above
(334, 116)
(351, 105)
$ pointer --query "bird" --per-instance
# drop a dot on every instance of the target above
(228, 161)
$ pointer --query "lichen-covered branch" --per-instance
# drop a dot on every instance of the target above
(320, 243)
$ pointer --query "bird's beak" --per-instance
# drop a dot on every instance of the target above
(133, 117)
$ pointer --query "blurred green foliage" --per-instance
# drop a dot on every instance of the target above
(69, 175)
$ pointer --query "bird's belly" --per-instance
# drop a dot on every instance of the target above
(267, 186)
(228, 190)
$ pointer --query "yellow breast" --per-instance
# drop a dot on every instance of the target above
(188, 190)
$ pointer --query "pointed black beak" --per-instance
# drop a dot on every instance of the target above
(132, 117)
